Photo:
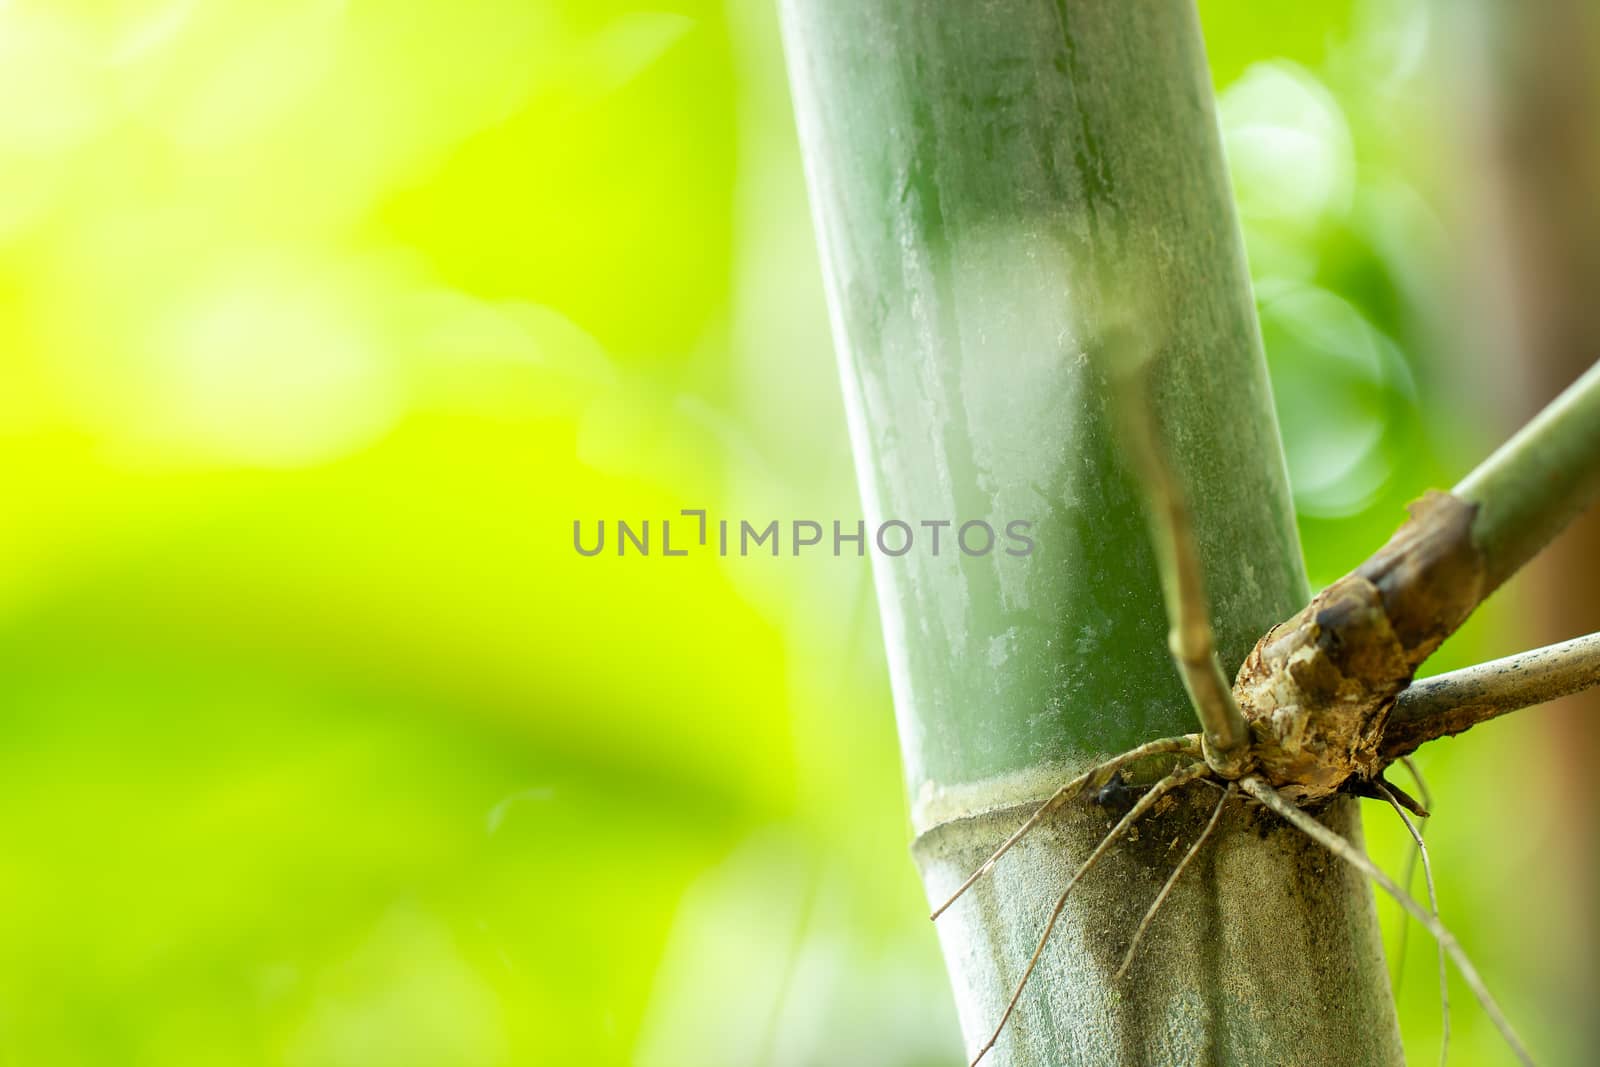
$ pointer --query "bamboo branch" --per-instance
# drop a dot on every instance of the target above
(1189, 635)
(1537, 482)
(1450, 703)
(1458, 547)
(1345, 657)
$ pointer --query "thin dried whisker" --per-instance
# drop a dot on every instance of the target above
(1188, 745)
(1433, 902)
(1145, 803)
(1402, 949)
(1172, 880)
(1336, 843)
(1422, 783)
(1406, 880)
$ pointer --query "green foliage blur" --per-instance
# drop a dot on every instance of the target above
(320, 323)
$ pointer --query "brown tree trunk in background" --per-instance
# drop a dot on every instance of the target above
(1537, 67)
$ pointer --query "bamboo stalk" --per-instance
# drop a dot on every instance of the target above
(998, 190)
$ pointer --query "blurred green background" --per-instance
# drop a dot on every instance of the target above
(322, 320)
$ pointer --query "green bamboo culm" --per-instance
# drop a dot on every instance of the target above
(1005, 192)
